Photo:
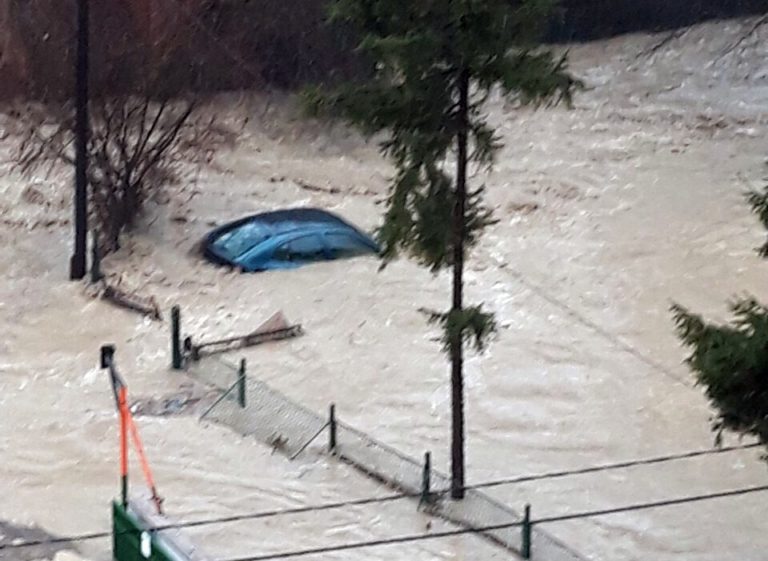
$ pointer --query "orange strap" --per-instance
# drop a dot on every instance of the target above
(122, 402)
(144, 463)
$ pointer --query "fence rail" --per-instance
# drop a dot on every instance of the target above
(274, 418)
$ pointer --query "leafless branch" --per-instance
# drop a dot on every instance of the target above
(137, 147)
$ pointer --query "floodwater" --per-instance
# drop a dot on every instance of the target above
(607, 213)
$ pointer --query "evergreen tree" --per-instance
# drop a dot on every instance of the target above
(731, 361)
(436, 62)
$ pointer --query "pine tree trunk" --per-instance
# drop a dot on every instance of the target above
(457, 358)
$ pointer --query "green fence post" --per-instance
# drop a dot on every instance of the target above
(176, 357)
(332, 428)
(241, 385)
(525, 549)
(426, 476)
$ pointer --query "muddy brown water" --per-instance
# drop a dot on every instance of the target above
(607, 212)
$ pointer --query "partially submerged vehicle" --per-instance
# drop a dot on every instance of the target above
(285, 239)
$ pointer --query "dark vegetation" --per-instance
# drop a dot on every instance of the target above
(730, 361)
(214, 45)
(199, 45)
(583, 20)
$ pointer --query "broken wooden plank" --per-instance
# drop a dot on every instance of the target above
(130, 300)
(276, 328)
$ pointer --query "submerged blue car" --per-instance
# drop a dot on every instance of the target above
(285, 239)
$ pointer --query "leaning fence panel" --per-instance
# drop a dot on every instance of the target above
(269, 415)
(274, 418)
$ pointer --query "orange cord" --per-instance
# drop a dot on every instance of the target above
(144, 463)
(124, 416)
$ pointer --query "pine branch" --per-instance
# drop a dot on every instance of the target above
(758, 200)
(426, 55)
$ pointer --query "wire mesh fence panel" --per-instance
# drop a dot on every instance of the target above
(274, 418)
(546, 547)
(476, 510)
(378, 459)
(213, 371)
(268, 415)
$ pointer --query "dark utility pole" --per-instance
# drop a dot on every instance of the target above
(78, 265)
(457, 343)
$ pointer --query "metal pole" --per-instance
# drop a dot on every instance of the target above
(241, 386)
(332, 428)
(107, 355)
(426, 478)
(121, 399)
(96, 275)
(107, 361)
(176, 357)
(123, 407)
(77, 263)
(456, 345)
(525, 549)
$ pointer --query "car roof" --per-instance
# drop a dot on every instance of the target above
(306, 214)
(281, 221)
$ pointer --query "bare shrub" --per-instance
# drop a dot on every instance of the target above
(137, 147)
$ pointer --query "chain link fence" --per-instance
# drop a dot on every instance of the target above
(274, 418)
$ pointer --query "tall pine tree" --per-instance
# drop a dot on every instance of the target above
(436, 62)
(731, 361)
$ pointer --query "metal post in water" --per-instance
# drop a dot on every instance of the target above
(123, 463)
(122, 405)
(332, 428)
(107, 355)
(525, 549)
(241, 385)
(121, 399)
(107, 360)
(189, 349)
(96, 275)
(426, 478)
(77, 264)
(176, 357)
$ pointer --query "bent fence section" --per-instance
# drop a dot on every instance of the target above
(272, 417)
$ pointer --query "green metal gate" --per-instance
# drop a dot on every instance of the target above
(131, 541)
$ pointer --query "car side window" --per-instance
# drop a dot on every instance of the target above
(344, 245)
(305, 248)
